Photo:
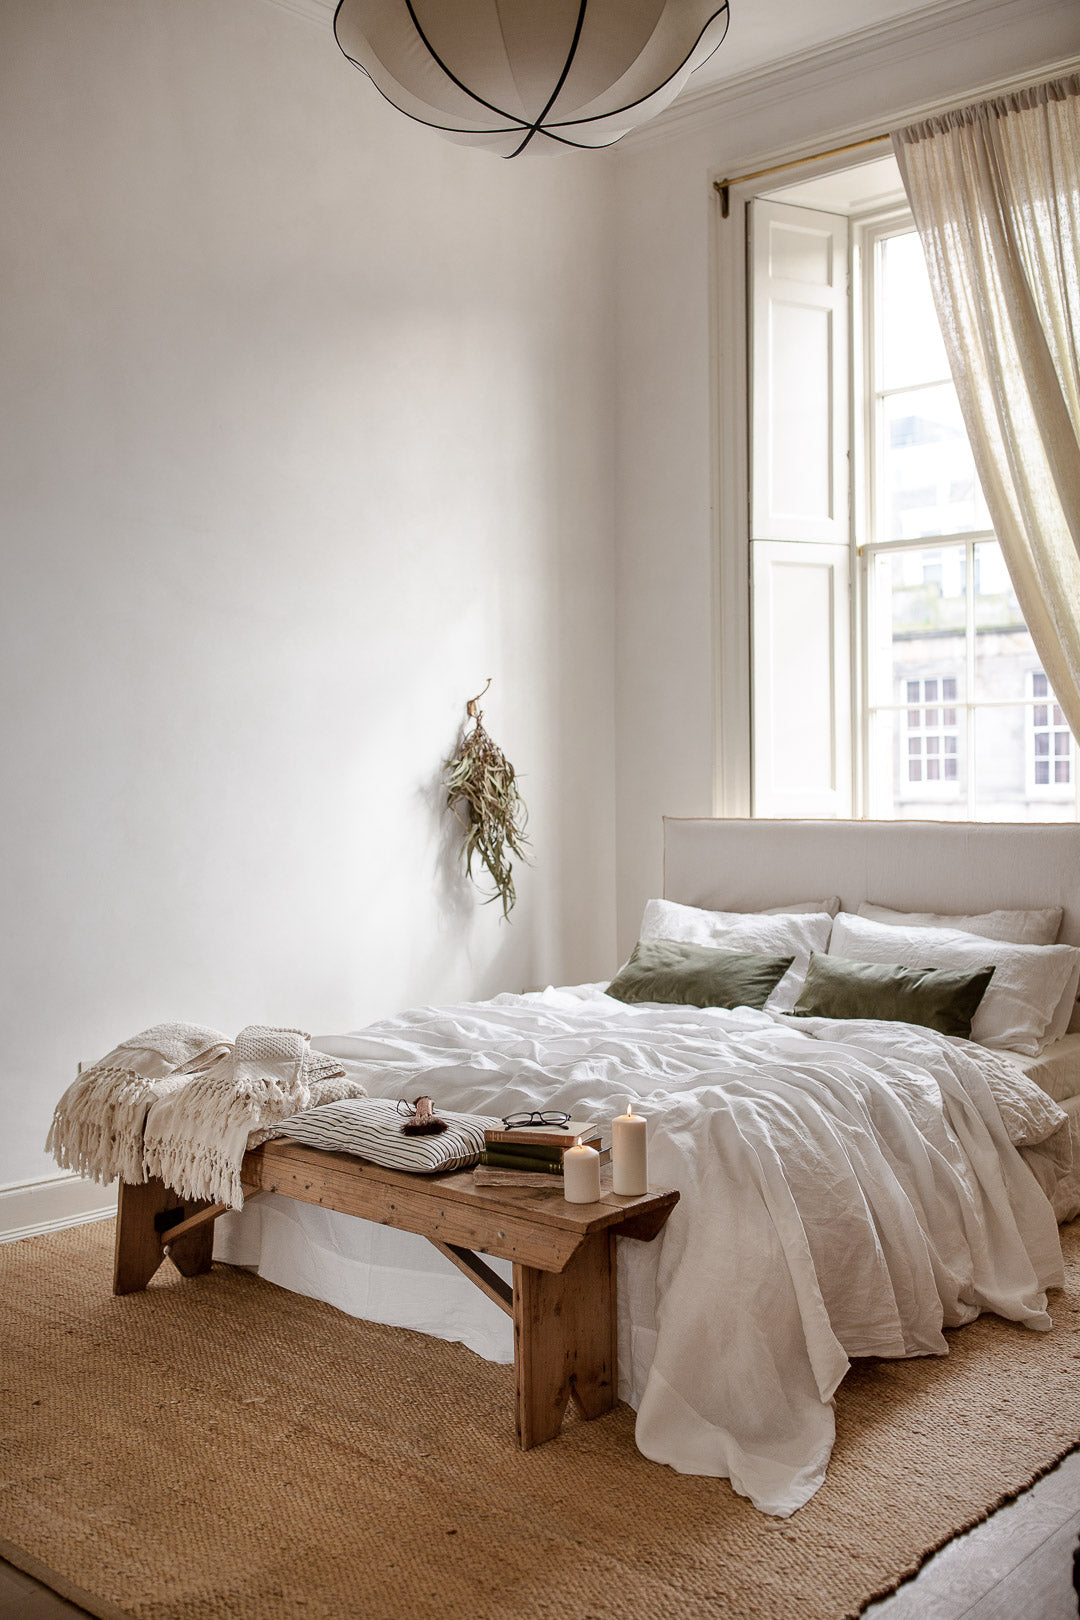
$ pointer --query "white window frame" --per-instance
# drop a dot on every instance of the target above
(868, 425)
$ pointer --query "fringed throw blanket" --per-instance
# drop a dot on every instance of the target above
(184, 1103)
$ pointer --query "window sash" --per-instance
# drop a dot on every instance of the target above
(876, 698)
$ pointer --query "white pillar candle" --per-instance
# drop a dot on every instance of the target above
(581, 1174)
(629, 1155)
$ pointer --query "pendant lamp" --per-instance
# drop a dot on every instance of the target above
(517, 76)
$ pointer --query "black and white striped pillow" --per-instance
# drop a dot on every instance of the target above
(370, 1127)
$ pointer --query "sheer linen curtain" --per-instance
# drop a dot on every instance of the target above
(995, 191)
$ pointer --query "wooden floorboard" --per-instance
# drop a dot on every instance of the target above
(1041, 1586)
(24, 1599)
(1015, 1566)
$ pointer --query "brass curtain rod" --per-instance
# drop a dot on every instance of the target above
(724, 186)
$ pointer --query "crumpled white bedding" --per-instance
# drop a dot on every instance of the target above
(1056, 1164)
(847, 1189)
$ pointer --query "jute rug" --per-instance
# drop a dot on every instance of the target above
(219, 1448)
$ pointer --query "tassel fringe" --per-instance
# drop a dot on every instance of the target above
(156, 1106)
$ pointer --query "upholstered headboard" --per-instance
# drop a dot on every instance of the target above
(730, 865)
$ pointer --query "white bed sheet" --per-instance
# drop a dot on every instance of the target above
(1056, 1068)
(1058, 1171)
(848, 1189)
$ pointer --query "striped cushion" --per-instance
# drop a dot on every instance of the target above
(370, 1127)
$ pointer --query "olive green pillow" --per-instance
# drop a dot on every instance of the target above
(697, 975)
(935, 997)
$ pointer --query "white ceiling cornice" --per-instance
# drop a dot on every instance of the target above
(942, 27)
(939, 27)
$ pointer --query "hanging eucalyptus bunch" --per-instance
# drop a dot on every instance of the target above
(481, 789)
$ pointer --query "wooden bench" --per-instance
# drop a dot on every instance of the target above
(563, 1299)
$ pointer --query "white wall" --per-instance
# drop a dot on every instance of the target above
(307, 430)
(681, 662)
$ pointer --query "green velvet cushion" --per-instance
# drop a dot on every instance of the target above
(935, 997)
(697, 975)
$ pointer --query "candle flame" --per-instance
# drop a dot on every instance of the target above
(629, 1110)
(577, 1141)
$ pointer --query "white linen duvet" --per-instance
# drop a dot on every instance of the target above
(848, 1189)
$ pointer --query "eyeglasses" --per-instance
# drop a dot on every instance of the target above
(545, 1116)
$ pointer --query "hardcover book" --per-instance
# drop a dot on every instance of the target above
(522, 1161)
(560, 1136)
(532, 1155)
(485, 1176)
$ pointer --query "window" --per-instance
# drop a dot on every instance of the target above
(931, 759)
(951, 718)
(1050, 753)
(892, 673)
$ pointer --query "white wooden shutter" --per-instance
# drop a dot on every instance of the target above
(800, 540)
(799, 376)
(802, 679)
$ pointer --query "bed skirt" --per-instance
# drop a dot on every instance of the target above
(366, 1270)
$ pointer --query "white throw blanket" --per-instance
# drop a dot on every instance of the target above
(848, 1189)
(184, 1103)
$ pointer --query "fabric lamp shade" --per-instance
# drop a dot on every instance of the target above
(518, 76)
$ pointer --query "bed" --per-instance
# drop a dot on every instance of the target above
(848, 1188)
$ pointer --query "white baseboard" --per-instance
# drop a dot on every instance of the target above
(51, 1203)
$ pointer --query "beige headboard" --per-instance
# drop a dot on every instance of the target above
(729, 865)
(732, 865)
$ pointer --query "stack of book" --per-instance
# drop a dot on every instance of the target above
(531, 1155)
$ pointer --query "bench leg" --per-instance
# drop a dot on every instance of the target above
(139, 1250)
(565, 1343)
(194, 1253)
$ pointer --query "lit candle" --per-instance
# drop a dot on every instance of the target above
(581, 1174)
(629, 1155)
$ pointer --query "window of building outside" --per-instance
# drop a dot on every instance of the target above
(959, 721)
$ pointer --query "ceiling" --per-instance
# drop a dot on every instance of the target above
(763, 32)
(856, 190)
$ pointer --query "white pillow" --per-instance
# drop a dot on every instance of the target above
(1037, 927)
(786, 934)
(798, 907)
(1029, 983)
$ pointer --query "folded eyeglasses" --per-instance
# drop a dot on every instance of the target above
(542, 1116)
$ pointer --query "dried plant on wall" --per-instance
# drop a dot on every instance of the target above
(481, 789)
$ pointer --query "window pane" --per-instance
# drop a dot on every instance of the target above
(911, 346)
(1006, 663)
(928, 483)
(922, 594)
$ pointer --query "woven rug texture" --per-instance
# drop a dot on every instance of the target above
(219, 1449)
